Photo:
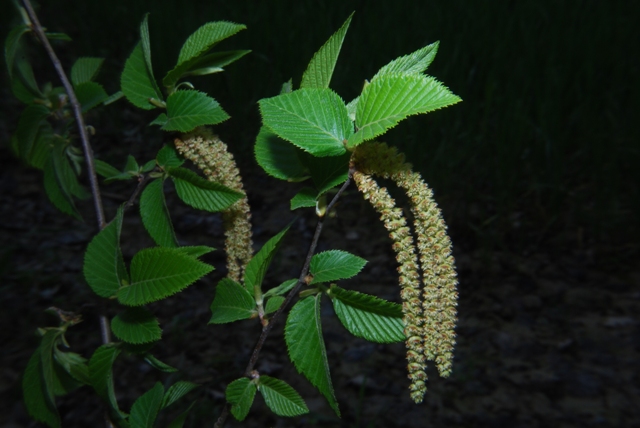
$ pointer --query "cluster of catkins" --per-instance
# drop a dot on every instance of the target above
(429, 310)
(210, 154)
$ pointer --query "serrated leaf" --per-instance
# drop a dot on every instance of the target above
(202, 194)
(136, 83)
(367, 316)
(186, 110)
(104, 268)
(161, 120)
(391, 98)
(279, 158)
(101, 375)
(352, 107)
(327, 172)
(90, 94)
(334, 265)
(318, 73)
(104, 169)
(11, 44)
(282, 288)
(303, 335)
(414, 63)
(31, 118)
(157, 273)
(85, 69)
(306, 197)
(36, 400)
(159, 365)
(168, 157)
(313, 119)
(137, 326)
(196, 251)
(177, 391)
(257, 267)
(281, 398)
(273, 304)
(145, 409)
(132, 165)
(240, 393)
(201, 65)
(205, 37)
(155, 215)
(232, 303)
(146, 52)
(148, 166)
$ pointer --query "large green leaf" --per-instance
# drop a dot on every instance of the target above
(314, 119)
(334, 265)
(155, 215)
(160, 272)
(202, 65)
(85, 69)
(145, 409)
(320, 69)
(136, 325)
(279, 158)
(303, 335)
(205, 37)
(11, 45)
(232, 303)
(101, 375)
(90, 94)
(414, 63)
(281, 398)
(177, 391)
(367, 316)
(327, 172)
(240, 393)
(36, 399)
(136, 83)
(104, 268)
(390, 98)
(257, 267)
(186, 110)
(202, 194)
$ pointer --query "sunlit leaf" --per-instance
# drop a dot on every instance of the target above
(414, 63)
(202, 194)
(186, 110)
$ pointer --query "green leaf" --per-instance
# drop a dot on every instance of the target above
(148, 166)
(177, 391)
(85, 69)
(202, 194)
(137, 326)
(313, 119)
(131, 166)
(65, 173)
(74, 364)
(11, 45)
(205, 37)
(240, 393)
(367, 316)
(182, 417)
(232, 303)
(304, 198)
(186, 110)
(279, 158)
(41, 150)
(101, 374)
(328, 172)
(160, 272)
(31, 118)
(196, 251)
(168, 157)
(90, 94)
(58, 197)
(113, 98)
(320, 69)
(158, 365)
(47, 344)
(27, 78)
(146, 52)
(414, 63)
(104, 267)
(161, 120)
(303, 335)
(202, 65)
(391, 98)
(155, 215)
(282, 288)
(273, 304)
(58, 36)
(334, 265)
(39, 405)
(145, 409)
(104, 169)
(352, 107)
(257, 267)
(136, 83)
(281, 398)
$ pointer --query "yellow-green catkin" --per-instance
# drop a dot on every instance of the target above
(409, 278)
(211, 156)
(439, 295)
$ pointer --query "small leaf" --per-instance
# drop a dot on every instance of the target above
(273, 304)
(155, 215)
(31, 118)
(157, 273)
(42, 146)
(85, 69)
(11, 45)
(158, 365)
(313, 119)
(327, 172)
(104, 267)
(74, 364)
(148, 166)
(303, 335)
(202, 194)
(205, 37)
(196, 251)
(38, 404)
(334, 265)
(90, 94)
(186, 110)
(113, 98)
(145, 409)
(136, 83)
(282, 288)
(145, 42)
(27, 79)
(304, 198)
(59, 198)
(161, 120)
(101, 375)
(367, 316)
(279, 158)
(391, 98)
(168, 157)
(240, 393)
(202, 65)
(232, 303)
(414, 63)
(104, 169)
(281, 398)
(257, 267)
(318, 73)
(131, 165)
(137, 326)
(177, 391)
(58, 36)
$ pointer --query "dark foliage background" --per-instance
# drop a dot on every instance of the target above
(536, 171)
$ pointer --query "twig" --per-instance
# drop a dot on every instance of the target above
(141, 183)
(301, 281)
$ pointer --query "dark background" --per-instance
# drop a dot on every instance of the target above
(536, 172)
